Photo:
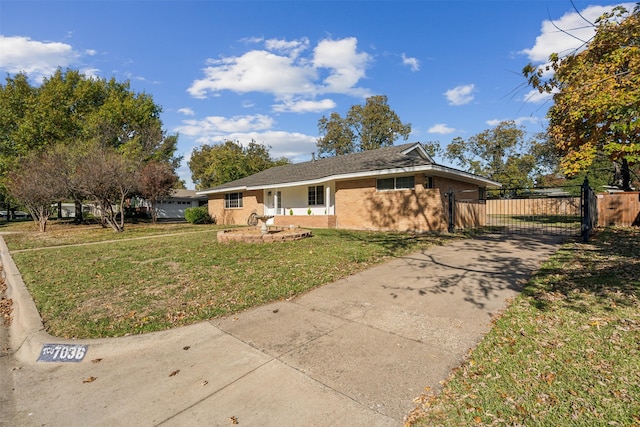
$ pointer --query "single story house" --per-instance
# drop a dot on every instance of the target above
(173, 206)
(392, 188)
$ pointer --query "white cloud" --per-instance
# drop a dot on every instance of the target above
(412, 63)
(535, 97)
(38, 59)
(346, 64)
(216, 126)
(460, 95)
(91, 72)
(257, 70)
(441, 128)
(567, 34)
(187, 111)
(519, 121)
(334, 66)
(291, 48)
(304, 106)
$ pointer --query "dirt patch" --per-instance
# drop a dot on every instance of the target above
(6, 304)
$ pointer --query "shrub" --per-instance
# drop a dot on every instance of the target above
(199, 215)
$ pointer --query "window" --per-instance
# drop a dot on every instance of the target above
(482, 193)
(316, 195)
(385, 184)
(398, 183)
(232, 200)
(428, 182)
(404, 183)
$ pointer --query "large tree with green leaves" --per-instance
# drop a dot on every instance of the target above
(213, 165)
(73, 109)
(365, 127)
(502, 153)
(72, 113)
(596, 94)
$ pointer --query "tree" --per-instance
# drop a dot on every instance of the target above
(596, 96)
(501, 154)
(75, 111)
(156, 180)
(34, 184)
(367, 127)
(213, 165)
(107, 178)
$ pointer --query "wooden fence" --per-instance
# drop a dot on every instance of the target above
(622, 209)
(569, 206)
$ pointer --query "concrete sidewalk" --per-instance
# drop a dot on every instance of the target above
(355, 352)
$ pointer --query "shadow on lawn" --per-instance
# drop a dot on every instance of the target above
(605, 271)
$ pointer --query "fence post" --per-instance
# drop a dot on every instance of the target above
(452, 210)
(586, 210)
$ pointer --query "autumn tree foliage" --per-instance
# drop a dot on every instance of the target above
(596, 94)
(365, 127)
(155, 181)
(213, 165)
(34, 184)
(108, 179)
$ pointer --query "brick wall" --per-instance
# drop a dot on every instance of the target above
(305, 221)
(360, 206)
(252, 201)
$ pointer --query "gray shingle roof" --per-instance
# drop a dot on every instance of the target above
(393, 157)
(383, 158)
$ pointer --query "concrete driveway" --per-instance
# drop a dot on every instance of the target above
(355, 352)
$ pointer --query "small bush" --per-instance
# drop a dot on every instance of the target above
(199, 215)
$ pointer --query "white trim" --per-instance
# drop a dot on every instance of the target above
(423, 153)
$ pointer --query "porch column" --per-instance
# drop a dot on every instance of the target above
(327, 199)
(275, 203)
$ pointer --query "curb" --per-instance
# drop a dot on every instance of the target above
(26, 331)
(27, 334)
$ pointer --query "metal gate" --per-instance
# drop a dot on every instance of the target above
(563, 211)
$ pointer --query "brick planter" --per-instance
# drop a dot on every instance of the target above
(253, 235)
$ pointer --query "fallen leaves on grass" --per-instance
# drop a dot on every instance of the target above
(565, 351)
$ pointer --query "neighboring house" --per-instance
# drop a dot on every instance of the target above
(392, 188)
(173, 207)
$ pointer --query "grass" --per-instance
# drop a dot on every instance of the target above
(25, 235)
(179, 274)
(566, 352)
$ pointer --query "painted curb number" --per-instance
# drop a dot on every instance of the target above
(62, 353)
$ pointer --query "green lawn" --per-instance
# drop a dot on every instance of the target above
(566, 352)
(157, 277)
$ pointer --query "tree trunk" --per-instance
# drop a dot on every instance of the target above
(154, 213)
(626, 175)
(78, 214)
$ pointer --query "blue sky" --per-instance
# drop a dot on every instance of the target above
(269, 70)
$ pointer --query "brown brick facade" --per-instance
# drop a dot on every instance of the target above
(252, 201)
(360, 206)
(306, 221)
